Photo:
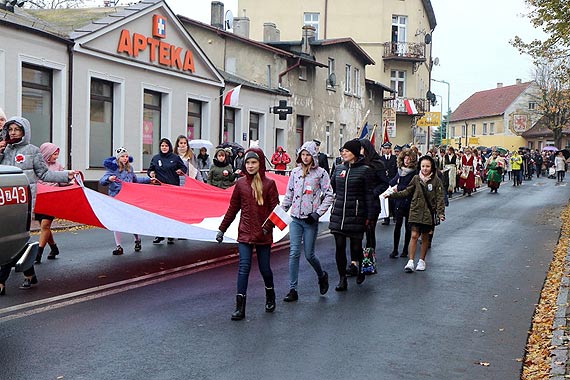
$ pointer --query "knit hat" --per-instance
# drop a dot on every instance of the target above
(120, 151)
(251, 154)
(353, 146)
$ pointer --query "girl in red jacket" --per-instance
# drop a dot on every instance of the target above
(256, 196)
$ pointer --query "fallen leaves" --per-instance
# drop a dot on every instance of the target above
(536, 363)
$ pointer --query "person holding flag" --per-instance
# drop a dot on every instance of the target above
(256, 196)
(309, 195)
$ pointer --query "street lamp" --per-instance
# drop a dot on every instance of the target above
(448, 107)
(441, 120)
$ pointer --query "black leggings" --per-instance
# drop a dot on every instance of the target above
(400, 216)
(560, 175)
(371, 233)
(355, 252)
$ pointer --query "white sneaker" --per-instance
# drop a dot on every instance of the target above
(421, 265)
(409, 268)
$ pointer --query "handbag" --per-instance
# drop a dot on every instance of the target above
(465, 172)
(434, 217)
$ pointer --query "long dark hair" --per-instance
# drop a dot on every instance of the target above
(430, 159)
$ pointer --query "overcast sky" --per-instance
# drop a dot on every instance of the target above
(471, 40)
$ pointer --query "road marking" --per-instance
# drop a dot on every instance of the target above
(52, 303)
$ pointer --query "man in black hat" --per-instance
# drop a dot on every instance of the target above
(322, 157)
(391, 165)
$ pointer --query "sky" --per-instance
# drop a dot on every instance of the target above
(471, 40)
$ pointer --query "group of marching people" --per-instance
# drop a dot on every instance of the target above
(352, 191)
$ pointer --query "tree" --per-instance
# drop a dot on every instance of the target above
(554, 95)
(553, 17)
(53, 4)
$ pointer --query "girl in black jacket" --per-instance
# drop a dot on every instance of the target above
(352, 209)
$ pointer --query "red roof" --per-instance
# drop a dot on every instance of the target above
(489, 102)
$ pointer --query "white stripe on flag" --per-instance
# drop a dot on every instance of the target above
(280, 218)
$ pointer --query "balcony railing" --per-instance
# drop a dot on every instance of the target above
(398, 104)
(405, 51)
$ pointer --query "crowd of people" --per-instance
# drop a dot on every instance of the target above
(416, 189)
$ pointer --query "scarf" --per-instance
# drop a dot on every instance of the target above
(424, 178)
(404, 171)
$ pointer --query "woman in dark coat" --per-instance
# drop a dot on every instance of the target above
(407, 162)
(352, 210)
(256, 196)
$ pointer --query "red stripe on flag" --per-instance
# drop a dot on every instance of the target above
(275, 219)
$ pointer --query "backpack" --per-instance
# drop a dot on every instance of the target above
(369, 261)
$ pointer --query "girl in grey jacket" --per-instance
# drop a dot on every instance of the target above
(309, 195)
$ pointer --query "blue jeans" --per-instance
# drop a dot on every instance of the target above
(299, 230)
(263, 261)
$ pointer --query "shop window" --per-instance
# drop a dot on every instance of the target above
(194, 121)
(254, 126)
(229, 134)
(151, 125)
(100, 122)
(37, 99)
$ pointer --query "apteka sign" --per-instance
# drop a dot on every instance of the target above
(159, 51)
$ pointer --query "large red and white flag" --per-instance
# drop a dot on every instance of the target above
(280, 218)
(410, 107)
(193, 211)
(232, 97)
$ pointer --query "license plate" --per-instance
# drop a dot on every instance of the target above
(13, 195)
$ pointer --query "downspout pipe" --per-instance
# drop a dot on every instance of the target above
(297, 64)
(69, 103)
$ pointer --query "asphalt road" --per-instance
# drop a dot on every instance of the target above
(159, 314)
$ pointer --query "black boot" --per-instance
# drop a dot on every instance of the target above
(239, 314)
(39, 255)
(324, 283)
(269, 300)
(54, 251)
(360, 277)
(342, 284)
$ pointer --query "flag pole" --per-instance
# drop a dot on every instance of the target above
(362, 123)
(373, 130)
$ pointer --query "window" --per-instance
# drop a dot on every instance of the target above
(229, 133)
(37, 95)
(328, 129)
(313, 20)
(194, 121)
(398, 82)
(491, 128)
(100, 122)
(347, 79)
(531, 106)
(151, 125)
(399, 26)
(473, 129)
(341, 134)
(299, 130)
(485, 128)
(463, 131)
(452, 132)
(303, 72)
(254, 126)
(330, 74)
(356, 85)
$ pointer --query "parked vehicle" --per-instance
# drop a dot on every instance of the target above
(15, 219)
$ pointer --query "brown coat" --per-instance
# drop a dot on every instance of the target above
(252, 215)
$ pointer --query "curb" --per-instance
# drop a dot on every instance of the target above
(559, 369)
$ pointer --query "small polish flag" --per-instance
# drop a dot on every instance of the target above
(410, 107)
(232, 97)
(280, 218)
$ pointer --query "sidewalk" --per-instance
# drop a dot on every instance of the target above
(58, 224)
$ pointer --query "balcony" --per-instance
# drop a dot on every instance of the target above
(413, 52)
(399, 105)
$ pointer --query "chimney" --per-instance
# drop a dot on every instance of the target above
(308, 37)
(270, 32)
(217, 15)
(241, 26)
(499, 85)
(519, 81)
